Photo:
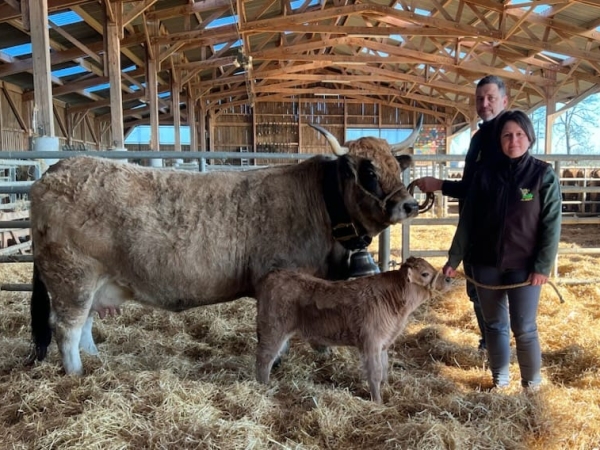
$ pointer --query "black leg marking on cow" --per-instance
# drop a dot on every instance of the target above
(40, 318)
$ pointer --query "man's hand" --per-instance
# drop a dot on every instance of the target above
(429, 184)
(537, 279)
(448, 271)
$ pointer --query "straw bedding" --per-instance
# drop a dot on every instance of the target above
(166, 380)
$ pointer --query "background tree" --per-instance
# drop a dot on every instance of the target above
(574, 129)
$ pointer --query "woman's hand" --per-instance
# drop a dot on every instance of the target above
(537, 279)
(449, 271)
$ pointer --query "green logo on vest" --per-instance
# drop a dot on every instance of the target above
(526, 195)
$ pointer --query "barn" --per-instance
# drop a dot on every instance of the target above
(237, 85)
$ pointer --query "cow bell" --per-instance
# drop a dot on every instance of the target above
(362, 264)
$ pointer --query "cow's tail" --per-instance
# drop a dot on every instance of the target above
(40, 318)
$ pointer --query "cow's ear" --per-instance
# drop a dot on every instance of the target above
(405, 161)
(410, 275)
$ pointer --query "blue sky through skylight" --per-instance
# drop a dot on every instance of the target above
(554, 55)
(18, 50)
(222, 21)
(98, 87)
(68, 71)
(298, 3)
(234, 45)
(65, 18)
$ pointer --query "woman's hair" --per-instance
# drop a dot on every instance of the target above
(521, 119)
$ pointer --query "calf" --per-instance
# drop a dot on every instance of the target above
(367, 313)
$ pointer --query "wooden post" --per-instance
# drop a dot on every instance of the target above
(175, 108)
(42, 85)
(550, 116)
(191, 121)
(114, 76)
(152, 94)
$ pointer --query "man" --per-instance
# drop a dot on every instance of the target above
(490, 101)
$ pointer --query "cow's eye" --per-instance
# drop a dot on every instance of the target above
(369, 180)
(425, 274)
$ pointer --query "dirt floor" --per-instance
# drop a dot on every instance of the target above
(177, 381)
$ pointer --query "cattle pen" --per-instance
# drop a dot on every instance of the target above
(186, 380)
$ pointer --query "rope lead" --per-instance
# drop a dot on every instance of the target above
(512, 286)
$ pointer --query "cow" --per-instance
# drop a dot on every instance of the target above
(572, 201)
(367, 313)
(593, 198)
(105, 232)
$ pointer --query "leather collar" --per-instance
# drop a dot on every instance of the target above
(350, 235)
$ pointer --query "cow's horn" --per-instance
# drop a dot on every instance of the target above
(335, 145)
(410, 140)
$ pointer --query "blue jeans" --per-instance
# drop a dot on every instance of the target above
(472, 293)
(514, 309)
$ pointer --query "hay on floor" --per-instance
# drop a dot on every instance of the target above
(166, 380)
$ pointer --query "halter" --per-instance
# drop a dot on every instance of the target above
(380, 202)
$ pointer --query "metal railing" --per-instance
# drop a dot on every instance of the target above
(438, 167)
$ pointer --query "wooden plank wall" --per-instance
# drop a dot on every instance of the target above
(279, 127)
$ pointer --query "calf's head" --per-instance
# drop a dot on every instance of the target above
(370, 172)
(419, 271)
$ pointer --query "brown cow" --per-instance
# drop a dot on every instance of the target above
(593, 198)
(572, 201)
(105, 232)
(367, 313)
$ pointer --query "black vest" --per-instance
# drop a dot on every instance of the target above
(507, 213)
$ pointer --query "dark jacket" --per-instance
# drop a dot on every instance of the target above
(511, 218)
(482, 150)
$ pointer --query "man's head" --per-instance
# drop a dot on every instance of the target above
(490, 97)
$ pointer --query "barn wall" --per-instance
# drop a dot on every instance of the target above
(14, 137)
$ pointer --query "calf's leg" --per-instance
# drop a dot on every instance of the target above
(272, 340)
(371, 355)
(384, 366)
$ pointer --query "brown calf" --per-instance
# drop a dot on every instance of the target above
(367, 313)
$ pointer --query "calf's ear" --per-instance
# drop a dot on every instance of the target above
(405, 161)
(410, 275)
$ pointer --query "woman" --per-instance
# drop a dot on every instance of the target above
(509, 231)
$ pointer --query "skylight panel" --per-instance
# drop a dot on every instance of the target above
(98, 87)
(218, 47)
(371, 52)
(68, 71)
(65, 18)
(539, 9)
(18, 50)
(298, 4)
(229, 20)
(420, 11)
(554, 55)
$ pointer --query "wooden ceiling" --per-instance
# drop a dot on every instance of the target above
(423, 56)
